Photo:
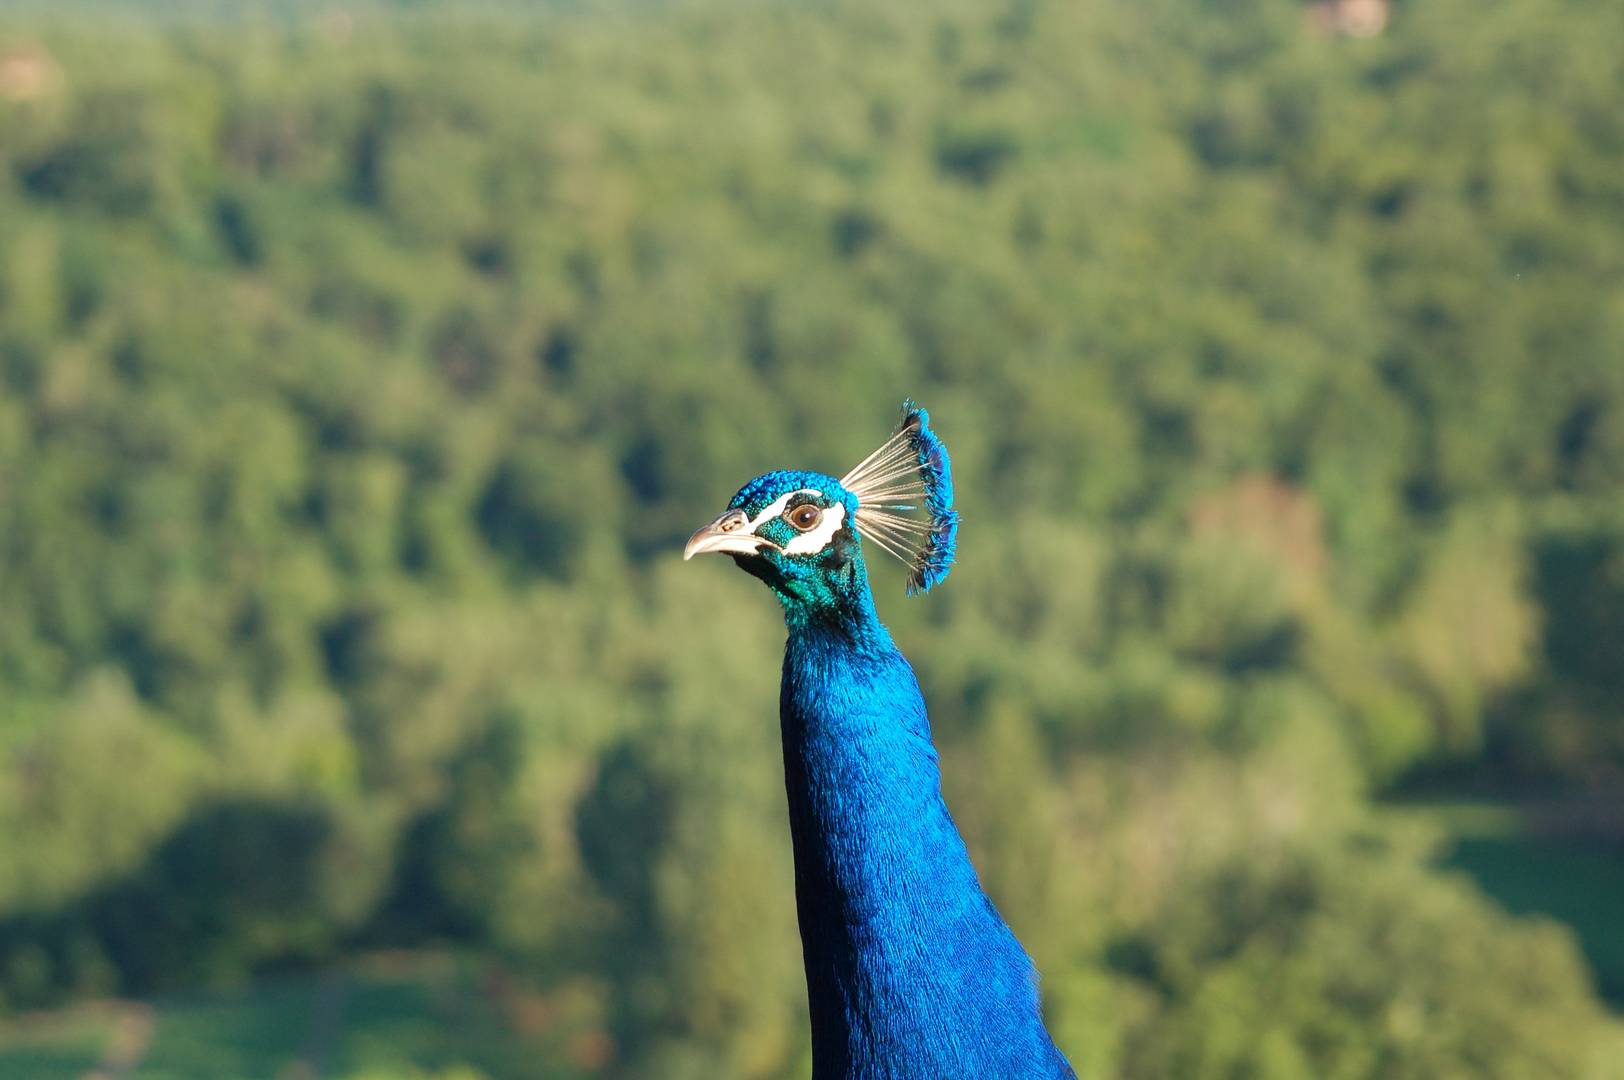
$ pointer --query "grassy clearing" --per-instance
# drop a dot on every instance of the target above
(63, 1046)
(408, 1017)
(1531, 863)
(236, 1037)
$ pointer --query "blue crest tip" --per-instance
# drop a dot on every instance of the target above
(935, 556)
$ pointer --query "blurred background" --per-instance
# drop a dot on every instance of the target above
(363, 367)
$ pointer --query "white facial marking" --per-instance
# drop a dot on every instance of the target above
(776, 507)
(818, 539)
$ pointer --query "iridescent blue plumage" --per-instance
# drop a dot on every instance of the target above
(911, 973)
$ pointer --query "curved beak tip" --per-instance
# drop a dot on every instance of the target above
(723, 535)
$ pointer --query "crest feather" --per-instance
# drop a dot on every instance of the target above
(909, 473)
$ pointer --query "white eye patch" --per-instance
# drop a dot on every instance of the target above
(818, 539)
(805, 543)
(776, 507)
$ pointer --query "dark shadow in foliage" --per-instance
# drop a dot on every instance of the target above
(239, 234)
(1558, 727)
(974, 155)
(854, 230)
(490, 254)
(337, 424)
(131, 646)
(1391, 201)
(644, 467)
(345, 639)
(622, 825)
(107, 161)
(1272, 648)
(83, 280)
(453, 858)
(1575, 438)
(1134, 957)
(239, 884)
(21, 365)
(987, 79)
(263, 139)
(1017, 21)
(129, 358)
(557, 352)
(760, 340)
(379, 122)
(525, 516)
(1579, 579)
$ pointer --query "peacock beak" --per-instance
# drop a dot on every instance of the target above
(729, 534)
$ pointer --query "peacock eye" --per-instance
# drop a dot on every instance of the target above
(805, 517)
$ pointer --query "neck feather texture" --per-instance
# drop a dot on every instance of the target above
(910, 971)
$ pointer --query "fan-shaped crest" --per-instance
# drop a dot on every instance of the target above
(910, 473)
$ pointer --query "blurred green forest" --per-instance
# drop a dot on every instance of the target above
(363, 368)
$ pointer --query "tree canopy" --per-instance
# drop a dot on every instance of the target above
(362, 370)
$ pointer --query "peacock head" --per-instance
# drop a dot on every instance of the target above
(803, 532)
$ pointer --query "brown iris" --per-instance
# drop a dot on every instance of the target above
(805, 517)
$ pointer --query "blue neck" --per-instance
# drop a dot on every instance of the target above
(910, 971)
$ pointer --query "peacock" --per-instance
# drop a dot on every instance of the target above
(911, 973)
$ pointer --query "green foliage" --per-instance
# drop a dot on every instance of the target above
(1356, 967)
(457, 1073)
(362, 370)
